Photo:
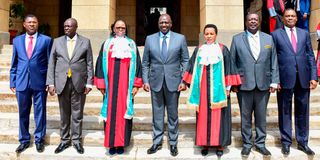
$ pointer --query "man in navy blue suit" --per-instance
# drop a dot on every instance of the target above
(28, 73)
(298, 74)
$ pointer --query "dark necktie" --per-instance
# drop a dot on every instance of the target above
(164, 51)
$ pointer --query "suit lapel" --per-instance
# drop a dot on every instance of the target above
(262, 44)
(63, 44)
(77, 46)
(23, 42)
(286, 39)
(246, 42)
(299, 37)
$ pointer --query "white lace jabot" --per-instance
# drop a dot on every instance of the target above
(210, 54)
(121, 48)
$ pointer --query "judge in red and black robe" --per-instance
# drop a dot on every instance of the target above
(118, 77)
(210, 74)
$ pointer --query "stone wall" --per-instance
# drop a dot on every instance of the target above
(4, 25)
(190, 21)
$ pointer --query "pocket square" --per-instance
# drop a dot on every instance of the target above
(267, 46)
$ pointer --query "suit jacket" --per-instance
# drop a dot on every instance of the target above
(290, 63)
(34, 69)
(81, 64)
(255, 73)
(155, 71)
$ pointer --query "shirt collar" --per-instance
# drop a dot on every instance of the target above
(167, 35)
(75, 37)
(288, 29)
(34, 35)
(252, 35)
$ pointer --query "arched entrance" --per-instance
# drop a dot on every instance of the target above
(148, 12)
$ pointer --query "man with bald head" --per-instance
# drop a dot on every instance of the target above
(70, 75)
(165, 59)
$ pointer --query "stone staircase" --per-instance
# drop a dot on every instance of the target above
(93, 135)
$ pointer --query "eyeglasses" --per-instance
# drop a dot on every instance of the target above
(118, 28)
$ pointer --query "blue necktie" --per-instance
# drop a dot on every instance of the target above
(164, 51)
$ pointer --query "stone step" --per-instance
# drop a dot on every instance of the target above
(10, 120)
(144, 138)
(93, 109)
(133, 153)
(145, 98)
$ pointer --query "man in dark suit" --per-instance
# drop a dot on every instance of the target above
(70, 75)
(298, 74)
(165, 59)
(28, 71)
(255, 55)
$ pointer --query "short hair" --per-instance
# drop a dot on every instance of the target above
(211, 26)
(29, 16)
(289, 9)
(247, 16)
(114, 23)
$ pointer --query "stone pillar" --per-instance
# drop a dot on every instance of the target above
(4, 25)
(94, 19)
(227, 15)
(314, 20)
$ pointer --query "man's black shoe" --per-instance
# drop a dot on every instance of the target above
(305, 149)
(154, 148)
(40, 147)
(61, 147)
(245, 151)
(285, 149)
(263, 150)
(78, 148)
(173, 150)
(22, 147)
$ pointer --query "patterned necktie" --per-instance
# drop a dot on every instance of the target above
(293, 41)
(30, 46)
(255, 47)
(164, 50)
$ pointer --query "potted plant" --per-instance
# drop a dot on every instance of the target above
(17, 11)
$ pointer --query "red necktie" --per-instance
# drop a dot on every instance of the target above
(30, 46)
(293, 41)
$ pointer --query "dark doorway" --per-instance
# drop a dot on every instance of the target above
(148, 12)
(64, 13)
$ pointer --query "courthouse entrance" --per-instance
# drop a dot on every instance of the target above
(147, 15)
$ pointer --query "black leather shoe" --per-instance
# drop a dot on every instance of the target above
(263, 150)
(120, 150)
(112, 150)
(22, 147)
(61, 147)
(245, 151)
(219, 152)
(204, 151)
(305, 149)
(78, 147)
(173, 150)
(285, 149)
(40, 147)
(154, 148)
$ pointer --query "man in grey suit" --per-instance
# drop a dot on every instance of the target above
(164, 60)
(255, 56)
(70, 75)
